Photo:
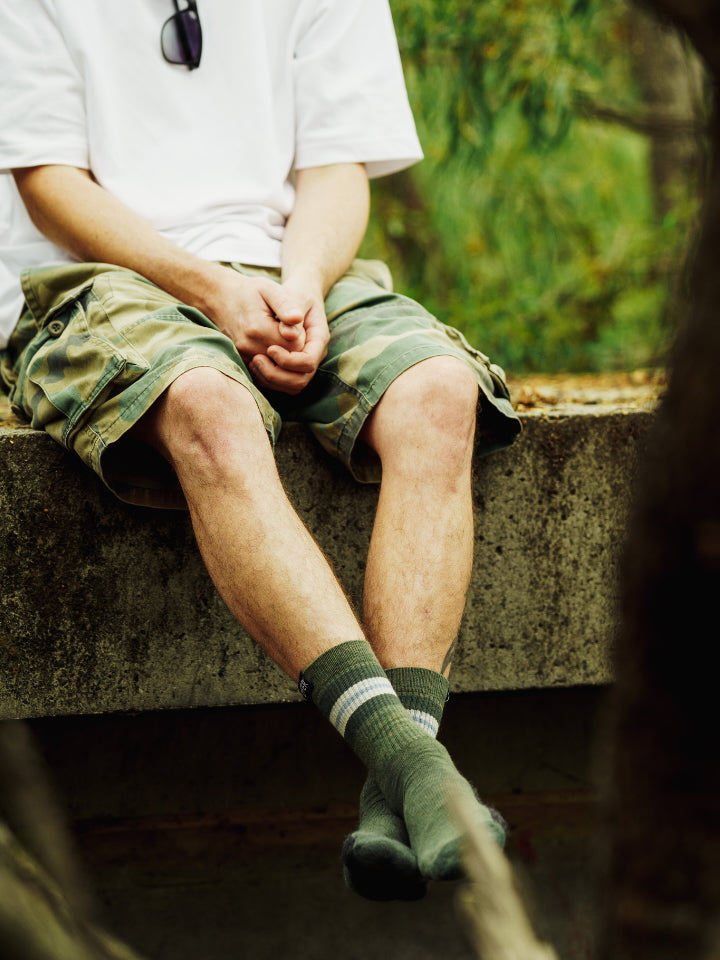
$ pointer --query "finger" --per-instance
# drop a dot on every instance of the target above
(294, 361)
(259, 329)
(292, 324)
(309, 358)
(267, 374)
(286, 308)
(293, 333)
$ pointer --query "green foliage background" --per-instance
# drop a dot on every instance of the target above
(529, 225)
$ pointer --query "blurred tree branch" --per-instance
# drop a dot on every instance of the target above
(46, 912)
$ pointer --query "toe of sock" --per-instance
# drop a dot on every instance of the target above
(445, 863)
(379, 868)
(445, 860)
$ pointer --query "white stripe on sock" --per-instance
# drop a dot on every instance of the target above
(354, 697)
(426, 721)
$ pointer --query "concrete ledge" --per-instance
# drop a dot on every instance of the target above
(106, 607)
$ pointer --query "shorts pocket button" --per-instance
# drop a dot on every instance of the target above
(55, 328)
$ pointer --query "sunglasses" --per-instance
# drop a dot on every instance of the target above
(181, 37)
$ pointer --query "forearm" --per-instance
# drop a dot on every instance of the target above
(79, 216)
(261, 318)
(327, 225)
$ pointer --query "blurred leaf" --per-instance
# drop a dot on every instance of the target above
(529, 226)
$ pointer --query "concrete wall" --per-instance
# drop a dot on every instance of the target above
(107, 607)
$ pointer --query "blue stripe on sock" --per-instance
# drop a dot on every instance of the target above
(426, 721)
(352, 698)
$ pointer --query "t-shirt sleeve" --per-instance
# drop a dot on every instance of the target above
(351, 101)
(42, 107)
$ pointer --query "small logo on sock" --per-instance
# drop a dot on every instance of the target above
(305, 688)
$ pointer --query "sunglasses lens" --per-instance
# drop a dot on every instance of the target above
(181, 39)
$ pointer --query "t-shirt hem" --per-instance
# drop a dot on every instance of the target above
(14, 160)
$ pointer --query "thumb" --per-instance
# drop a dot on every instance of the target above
(287, 309)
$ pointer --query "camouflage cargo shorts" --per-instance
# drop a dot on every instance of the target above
(97, 345)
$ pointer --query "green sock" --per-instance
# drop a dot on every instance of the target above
(413, 771)
(378, 861)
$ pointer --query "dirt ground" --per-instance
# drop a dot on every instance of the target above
(538, 393)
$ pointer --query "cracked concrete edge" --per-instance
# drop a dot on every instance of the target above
(108, 608)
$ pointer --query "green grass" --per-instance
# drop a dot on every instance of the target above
(547, 259)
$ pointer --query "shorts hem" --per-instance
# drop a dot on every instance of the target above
(102, 439)
(368, 470)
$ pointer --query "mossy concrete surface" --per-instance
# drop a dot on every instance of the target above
(106, 607)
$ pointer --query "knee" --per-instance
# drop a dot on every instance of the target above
(431, 407)
(447, 394)
(206, 419)
(440, 394)
(198, 390)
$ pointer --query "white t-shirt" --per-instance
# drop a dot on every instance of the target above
(207, 156)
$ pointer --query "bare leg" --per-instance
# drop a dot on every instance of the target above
(420, 555)
(279, 586)
(266, 566)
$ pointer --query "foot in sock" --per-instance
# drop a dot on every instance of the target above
(378, 862)
(422, 779)
(412, 770)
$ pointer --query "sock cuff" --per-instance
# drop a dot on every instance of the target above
(344, 678)
(423, 693)
(347, 684)
(350, 701)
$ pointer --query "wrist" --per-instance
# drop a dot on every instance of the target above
(312, 281)
(203, 285)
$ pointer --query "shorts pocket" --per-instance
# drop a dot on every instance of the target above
(68, 370)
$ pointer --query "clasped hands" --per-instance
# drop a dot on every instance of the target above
(280, 329)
